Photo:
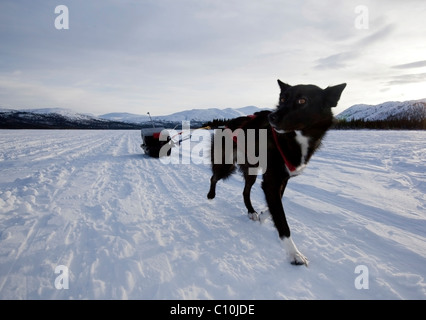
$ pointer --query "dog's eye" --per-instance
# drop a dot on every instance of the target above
(282, 99)
(301, 101)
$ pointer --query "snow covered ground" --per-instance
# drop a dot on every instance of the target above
(126, 226)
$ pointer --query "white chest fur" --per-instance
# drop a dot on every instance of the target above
(304, 146)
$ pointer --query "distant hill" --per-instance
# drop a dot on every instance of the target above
(56, 118)
(394, 110)
(125, 117)
(59, 118)
(187, 115)
(407, 114)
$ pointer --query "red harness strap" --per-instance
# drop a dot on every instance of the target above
(287, 163)
(251, 117)
(290, 167)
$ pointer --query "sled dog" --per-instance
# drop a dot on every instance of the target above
(294, 132)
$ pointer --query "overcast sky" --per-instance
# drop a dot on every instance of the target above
(165, 56)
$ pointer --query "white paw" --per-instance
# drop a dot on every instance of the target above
(295, 257)
(299, 259)
(254, 216)
(264, 215)
(260, 217)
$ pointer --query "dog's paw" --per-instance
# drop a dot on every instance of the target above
(211, 195)
(261, 217)
(254, 216)
(299, 259)
(295, 257)
(264, 215)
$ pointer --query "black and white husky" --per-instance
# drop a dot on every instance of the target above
(294, 132)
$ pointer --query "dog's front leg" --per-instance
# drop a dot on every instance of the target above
(273, 192)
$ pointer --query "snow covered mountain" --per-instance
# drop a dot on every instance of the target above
(194, 114)
(60, 118)
(56, 118)
(393, 110)
(125, 117)
(61, 111)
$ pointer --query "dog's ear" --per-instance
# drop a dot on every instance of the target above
(283, 86)
(332, 94)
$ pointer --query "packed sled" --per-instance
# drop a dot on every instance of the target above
(153, 139)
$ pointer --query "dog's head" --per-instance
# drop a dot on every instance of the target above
(304, 106)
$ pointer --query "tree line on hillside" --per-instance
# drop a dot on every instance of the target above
(24, 120)
(343, 124)
(391, 124)
(216, 123)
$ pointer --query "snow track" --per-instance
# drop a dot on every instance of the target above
(130, 227)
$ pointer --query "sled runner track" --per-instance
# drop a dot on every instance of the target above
(128, 226)
(52, 144)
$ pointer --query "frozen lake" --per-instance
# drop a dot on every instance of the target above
(126, 226)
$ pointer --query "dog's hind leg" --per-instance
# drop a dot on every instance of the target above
(249, 182)
(212, 191)
(220, 171)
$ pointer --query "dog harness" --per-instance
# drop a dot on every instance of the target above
(290, 167)
(287, 163)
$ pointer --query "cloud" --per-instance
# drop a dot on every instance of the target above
(354, 49)
(408, 79)
(336, 61)
(168, 55)
(411, 65)
(377, 37)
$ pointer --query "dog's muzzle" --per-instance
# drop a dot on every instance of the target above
(273, 118)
